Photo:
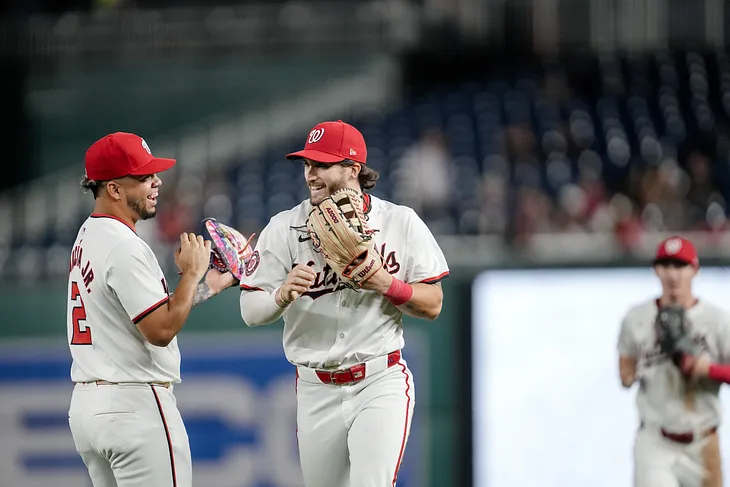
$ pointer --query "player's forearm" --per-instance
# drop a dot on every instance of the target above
(425, 302)
(627, 370)
(204, 292)
(181, 301)
(260, 307)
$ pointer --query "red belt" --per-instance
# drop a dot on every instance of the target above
(687, 437)
(356, 373)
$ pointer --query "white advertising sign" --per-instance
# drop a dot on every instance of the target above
(548, 406)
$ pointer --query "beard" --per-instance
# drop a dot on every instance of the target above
(139, 206)
(328, 190)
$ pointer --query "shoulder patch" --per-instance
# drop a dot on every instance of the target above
(252, 263)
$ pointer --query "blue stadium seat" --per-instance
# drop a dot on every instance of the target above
(645, 110)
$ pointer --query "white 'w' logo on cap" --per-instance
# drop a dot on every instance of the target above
(673, 246)
(315, 135)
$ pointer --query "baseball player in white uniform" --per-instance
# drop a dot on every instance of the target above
(677, 400)
(122, 325)
(355, 393)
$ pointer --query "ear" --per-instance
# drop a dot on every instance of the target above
(114, 190)
(355, 170)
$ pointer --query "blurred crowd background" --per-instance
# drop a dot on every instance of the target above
(524, 132)
(507, 120)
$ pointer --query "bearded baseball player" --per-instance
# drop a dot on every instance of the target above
(123, 324)
(674, 347)
(342, 268)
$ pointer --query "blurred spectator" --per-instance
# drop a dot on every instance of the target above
(521, 143)
(493, 194)
(715, 221)
(423, 178)
(627, 226)
(532, 215)
(702, 186)
(514, 157)
(661, 195)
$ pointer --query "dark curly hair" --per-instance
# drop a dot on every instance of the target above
(367, 176)
(91, 185)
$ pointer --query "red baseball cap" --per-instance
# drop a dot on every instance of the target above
(122, 154)
(331, 142)
(677, 249)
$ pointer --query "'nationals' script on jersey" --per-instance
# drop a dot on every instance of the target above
(351, 326)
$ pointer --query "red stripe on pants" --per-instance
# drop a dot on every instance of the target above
(167, 432)
(405, 427)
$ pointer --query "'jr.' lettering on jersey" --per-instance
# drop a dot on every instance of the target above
(87, 273)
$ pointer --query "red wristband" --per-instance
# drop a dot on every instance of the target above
(719, 373)
(399, 292)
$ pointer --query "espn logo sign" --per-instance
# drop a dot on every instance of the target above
(332, 215)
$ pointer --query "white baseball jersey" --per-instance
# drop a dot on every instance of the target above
(114, 282)
(665, 398)
(331, 325)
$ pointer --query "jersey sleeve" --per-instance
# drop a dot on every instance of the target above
(626, 343)
(135, 276)
(426, 262)
(271, 260)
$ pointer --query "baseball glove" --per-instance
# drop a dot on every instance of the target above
(674, 340)
(230, 249)
(339, 231)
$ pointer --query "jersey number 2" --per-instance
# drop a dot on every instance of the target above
(78, 314)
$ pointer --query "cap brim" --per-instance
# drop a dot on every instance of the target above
(316, 156)
(156, 165)
(662, 260)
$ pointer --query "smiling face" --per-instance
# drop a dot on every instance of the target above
(324, 179)
(141, 193)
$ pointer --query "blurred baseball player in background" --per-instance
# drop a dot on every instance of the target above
(122, 324)
(342, 327)
(669, 346)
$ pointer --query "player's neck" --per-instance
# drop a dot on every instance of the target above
(686, 301)
(102, 207)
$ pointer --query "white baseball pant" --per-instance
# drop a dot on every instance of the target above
(661, 462)
(354, 435)
(130, 435)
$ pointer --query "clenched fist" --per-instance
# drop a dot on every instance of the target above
(193, 256)
(298, 281)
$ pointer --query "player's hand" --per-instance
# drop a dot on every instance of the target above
(218, 281)
(298, 281)
(380, 281)
(177, 260)
(194, 255)
(695, 367)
